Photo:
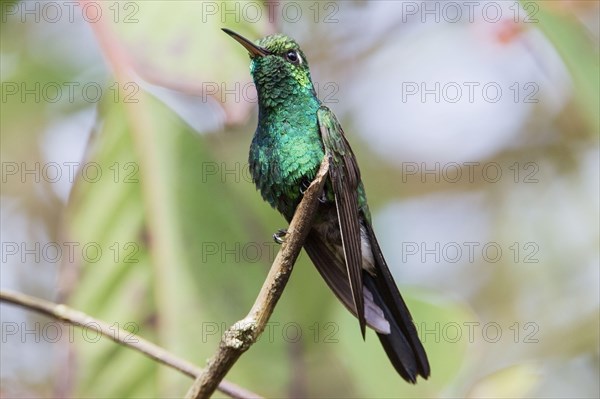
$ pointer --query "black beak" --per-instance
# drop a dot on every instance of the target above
(253, 49)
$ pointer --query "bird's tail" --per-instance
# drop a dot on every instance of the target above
(382, 298)
(402, 344)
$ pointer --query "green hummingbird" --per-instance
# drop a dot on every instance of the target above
(295, 131)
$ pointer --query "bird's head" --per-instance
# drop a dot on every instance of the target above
(278, 65)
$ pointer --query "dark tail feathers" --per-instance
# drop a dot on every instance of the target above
(402, 345)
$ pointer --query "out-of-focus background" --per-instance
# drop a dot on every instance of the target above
(126, 194)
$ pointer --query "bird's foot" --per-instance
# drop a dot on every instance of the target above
(304, 184)
(323, 197)
(279, 236)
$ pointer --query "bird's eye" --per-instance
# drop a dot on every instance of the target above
(292, 56)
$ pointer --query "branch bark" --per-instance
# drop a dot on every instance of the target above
(120, 336)
(244, 333)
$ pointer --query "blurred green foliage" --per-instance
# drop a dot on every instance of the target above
(172, 231)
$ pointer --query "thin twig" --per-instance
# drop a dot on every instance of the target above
(240, 337)
(120, 336)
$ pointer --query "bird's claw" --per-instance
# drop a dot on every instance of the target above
(323, 197)
(279, 236)
(304, 184)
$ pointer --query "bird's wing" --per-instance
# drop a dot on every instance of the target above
(345, 178)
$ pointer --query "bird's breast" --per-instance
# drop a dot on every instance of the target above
(284, 158)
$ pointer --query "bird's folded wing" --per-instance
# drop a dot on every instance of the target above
(345, 177)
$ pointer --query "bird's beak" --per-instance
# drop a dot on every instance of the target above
(253, 49)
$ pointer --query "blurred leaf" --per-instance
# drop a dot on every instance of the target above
(580, 53)
(152, 214)
(180, 45)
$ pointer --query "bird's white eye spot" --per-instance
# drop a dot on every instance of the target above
(293, 57)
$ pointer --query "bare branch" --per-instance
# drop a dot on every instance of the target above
(240, 337)
(123, 337)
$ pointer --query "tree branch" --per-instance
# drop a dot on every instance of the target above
(244, 333)
(120, 336)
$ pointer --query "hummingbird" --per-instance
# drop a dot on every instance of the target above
(295, 131)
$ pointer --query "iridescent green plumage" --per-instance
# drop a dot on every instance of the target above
(295, 131)
(286, 148)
